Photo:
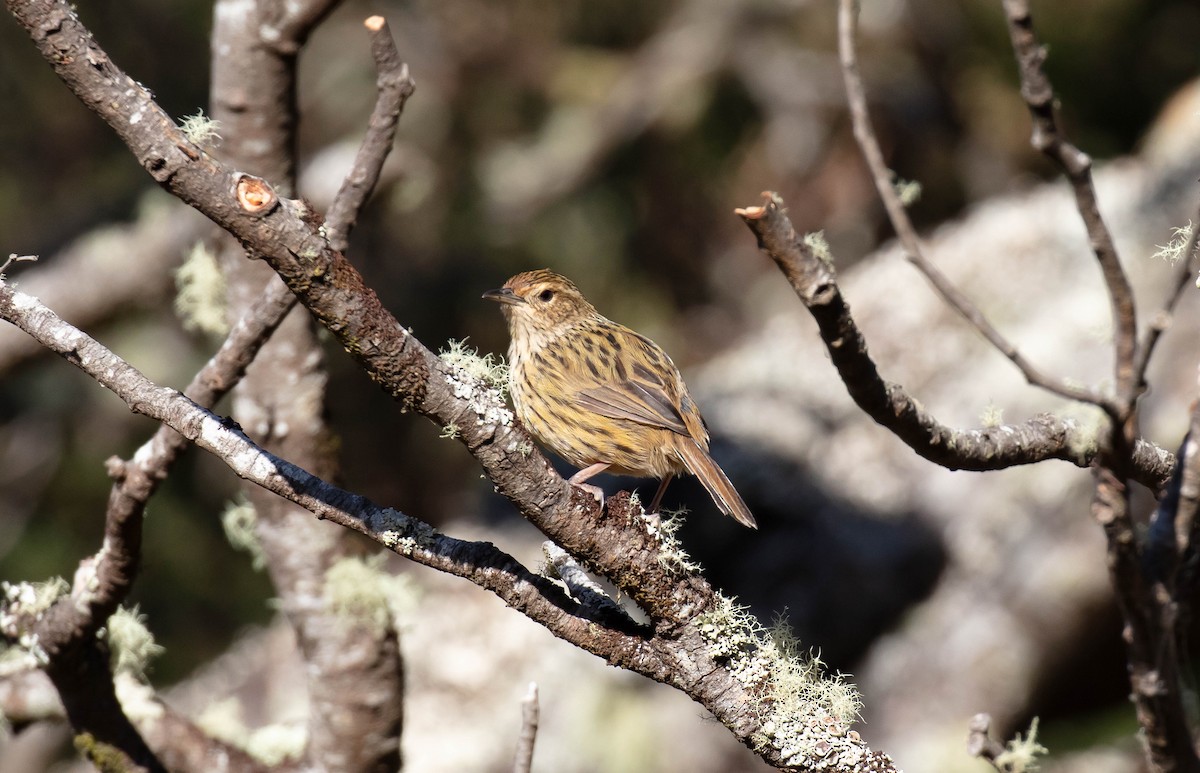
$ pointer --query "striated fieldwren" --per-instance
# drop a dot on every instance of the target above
(602, 396)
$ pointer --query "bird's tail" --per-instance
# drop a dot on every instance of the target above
(700, 464)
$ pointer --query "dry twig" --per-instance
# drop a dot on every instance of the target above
(864, 133)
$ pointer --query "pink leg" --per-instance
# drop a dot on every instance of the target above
(658, 495)
(587, 472)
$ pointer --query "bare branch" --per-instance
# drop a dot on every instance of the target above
(287, 25)
(1048, 138)
(979, 740)
(395, 87)
(1149, 633)
(1040, 438)
(581, 587)
(184, 746)
(864, 134)
(529, 727)
(15, 258)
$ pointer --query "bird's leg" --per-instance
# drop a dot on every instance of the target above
(579, 478)
(658, 495)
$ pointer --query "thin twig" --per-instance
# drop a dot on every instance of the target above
(1049, 138)
(523, 759)
(864, 134)
(979, 739)
(394, 87)
(15, 258)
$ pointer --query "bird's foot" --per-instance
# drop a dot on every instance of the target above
(595, 491)
(578, 480)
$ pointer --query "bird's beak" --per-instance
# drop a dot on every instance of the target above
(504, 295)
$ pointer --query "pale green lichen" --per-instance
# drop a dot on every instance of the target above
(362, 593)
(468, 371)
(450, 431)
(1020, 754)
(30, 599)
(815, 241)
(275, 744)
(908, 191)
(200, 128)
(200, 293)
(672, 555)
(1172, 252)
(992, 416)
(222, 719)
(1086, 425)
(130, 642)
(238, 522)
(488, 368)
(106, 758)
(804, 712)
(137, 697)
(272, 744)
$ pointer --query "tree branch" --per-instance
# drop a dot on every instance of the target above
(480, 562)
(883, 177)
(523, 758)
(1048, 138)
(1040, 438)
(682, 649)
(395, 87)
(1149, 634)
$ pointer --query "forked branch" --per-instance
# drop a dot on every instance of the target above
(884, 178)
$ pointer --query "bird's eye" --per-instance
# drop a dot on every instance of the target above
(545, 295)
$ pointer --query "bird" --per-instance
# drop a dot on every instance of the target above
(601, 396)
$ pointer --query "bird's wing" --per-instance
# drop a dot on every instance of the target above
(634, 401)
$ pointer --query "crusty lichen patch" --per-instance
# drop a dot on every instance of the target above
(21, 604)
(400, 532)
(481, 380)
(804, 713)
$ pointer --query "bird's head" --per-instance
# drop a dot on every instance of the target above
(540, 302)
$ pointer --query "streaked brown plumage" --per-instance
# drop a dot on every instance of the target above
(600, 395)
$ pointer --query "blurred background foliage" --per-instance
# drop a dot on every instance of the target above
(610, 141)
